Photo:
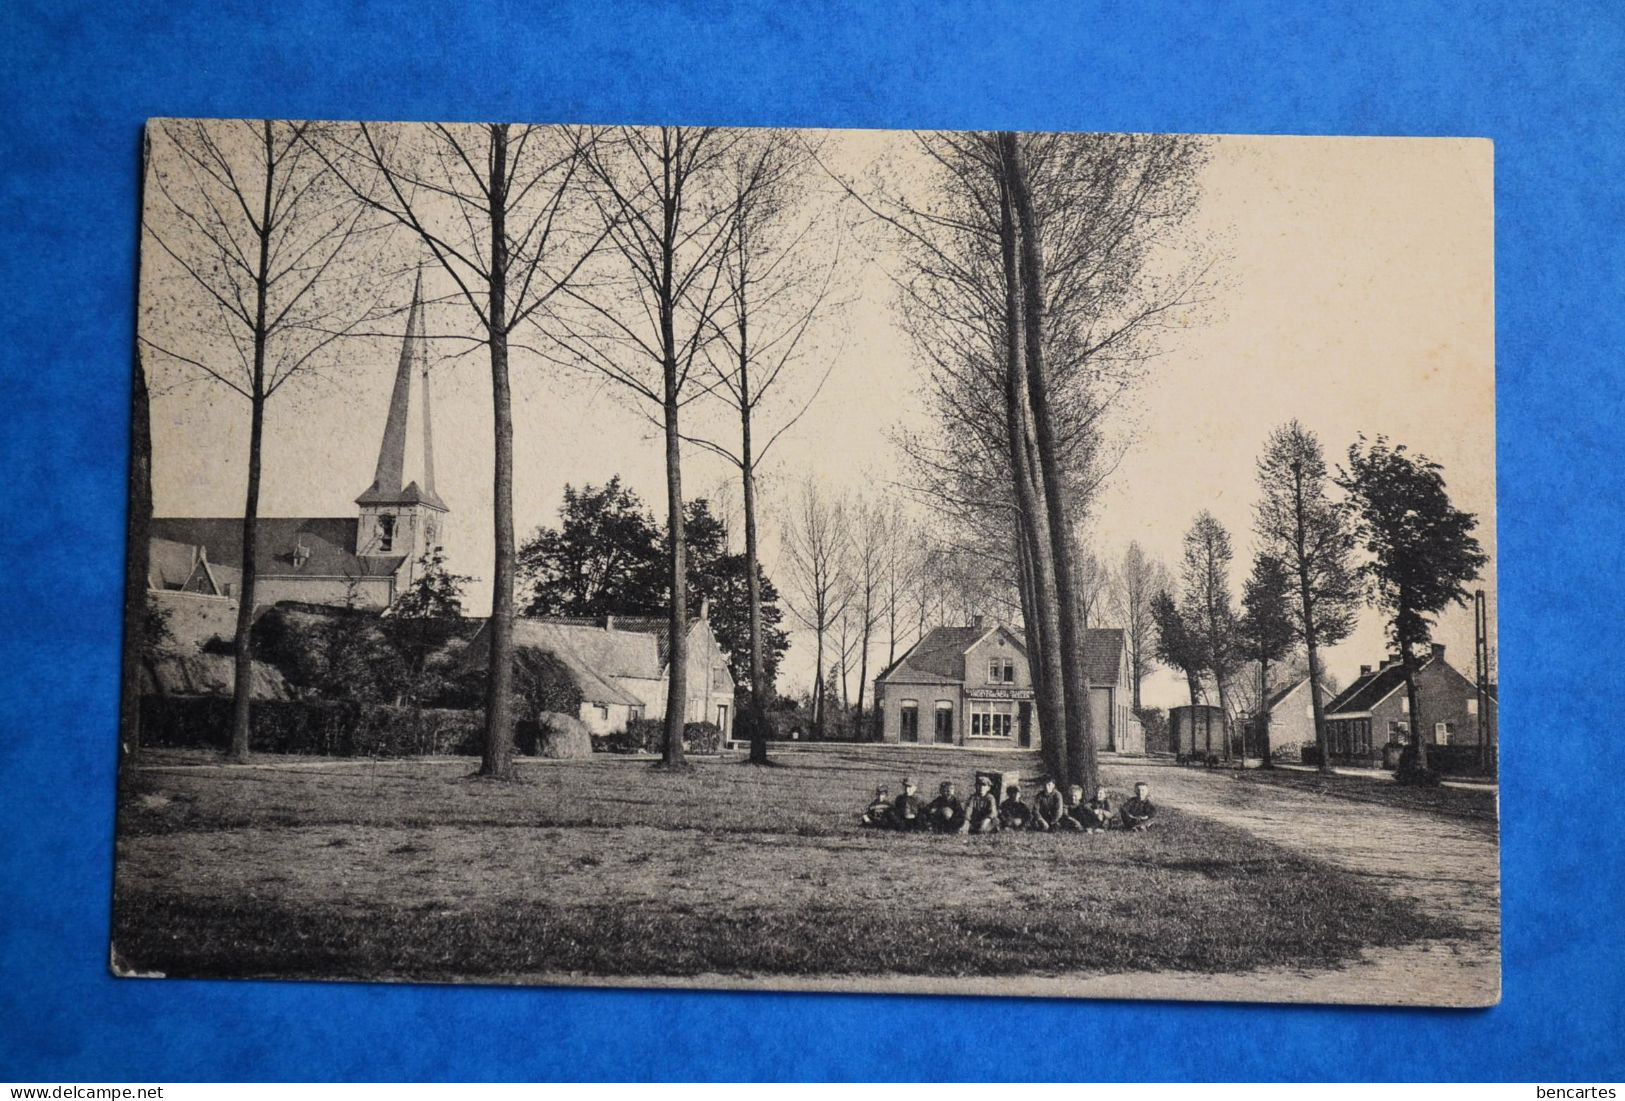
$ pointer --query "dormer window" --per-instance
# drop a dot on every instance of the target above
(386, 533)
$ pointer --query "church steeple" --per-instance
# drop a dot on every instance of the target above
(404, 522)
(387, 487)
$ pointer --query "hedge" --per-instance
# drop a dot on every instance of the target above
(649, 736)
(331, 728)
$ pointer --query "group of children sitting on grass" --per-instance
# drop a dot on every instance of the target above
(985, 812)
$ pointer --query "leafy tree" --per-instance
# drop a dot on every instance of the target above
(604, 558)
(1297, 521)
(423, 620)
(726, 584)
(1178, 646)
(608, 556)
(1423, 551)
(1208, 613)
(1266, 631)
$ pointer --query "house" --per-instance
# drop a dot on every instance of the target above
(365, 560)
(972, 687)
(1291, 713)
(1375, 710)
(621, 665)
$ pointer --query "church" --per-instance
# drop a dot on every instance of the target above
(364, 560)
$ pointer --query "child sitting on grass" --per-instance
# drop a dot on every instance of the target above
(981, 809)
(1048, 808)
(1014, 814)
(878, 814)
(1097, 813)
(946, 813)
(1138, 811)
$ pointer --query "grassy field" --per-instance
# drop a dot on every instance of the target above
(411, 869)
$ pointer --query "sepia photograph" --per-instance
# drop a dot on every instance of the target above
(1003, 563)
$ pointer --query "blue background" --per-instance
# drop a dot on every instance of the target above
(1543, 80)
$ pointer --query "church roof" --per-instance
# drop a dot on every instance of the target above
(411, 494)
(330, 542)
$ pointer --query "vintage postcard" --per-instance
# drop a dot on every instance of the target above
(957, 562)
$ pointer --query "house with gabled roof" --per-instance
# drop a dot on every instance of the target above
(621, 665)
(1374, 711)
(1291, 713)
(972, 687)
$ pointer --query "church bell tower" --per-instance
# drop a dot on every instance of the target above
(401, 519)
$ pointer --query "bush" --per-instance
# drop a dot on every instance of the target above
(332, 728)
(1411, 774)
(1454, 759)
(649, 736)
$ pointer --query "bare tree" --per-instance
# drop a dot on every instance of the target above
(249, 229)
(1094, 585)
(655, 303)
(1298, 522)
(870, 536)
(902, 566)
(494, 204)
(817, 546)
(774, 292)
(1136, 581)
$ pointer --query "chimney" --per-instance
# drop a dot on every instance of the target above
(1365, 670)
(705, 608)
(1438, 651)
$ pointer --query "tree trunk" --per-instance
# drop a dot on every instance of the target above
(818, 680)
(677, 623)
(1194, 687)
(753, 584)
(1082, 766)
(863, 672)
(1263, 717)
(1311, 644)
(137, 523)
(1043, 629)
(1418, 729)
(758, 670)
(242, 689)
(497, 760)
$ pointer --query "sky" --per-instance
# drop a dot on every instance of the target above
(1352, 289)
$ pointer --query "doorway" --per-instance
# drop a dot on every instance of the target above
(1024, 726)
